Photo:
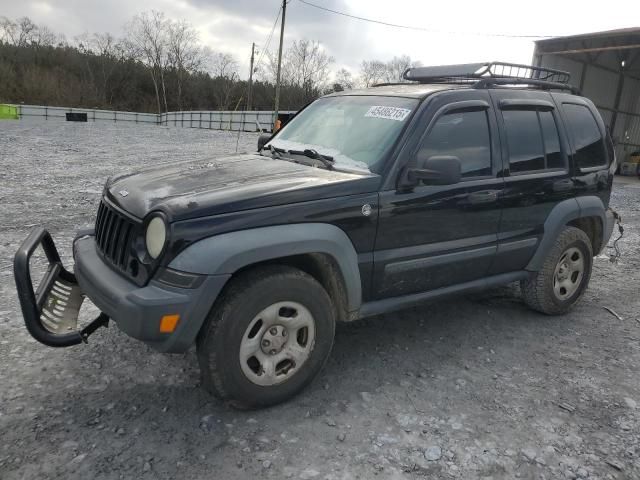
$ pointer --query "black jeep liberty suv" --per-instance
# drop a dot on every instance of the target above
(367, 201)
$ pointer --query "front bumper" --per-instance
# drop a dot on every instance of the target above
(51, 311)
(138, 310)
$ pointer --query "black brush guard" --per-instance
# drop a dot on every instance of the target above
(51, 312)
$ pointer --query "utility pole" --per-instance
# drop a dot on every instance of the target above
(249, 94)
(277, 102)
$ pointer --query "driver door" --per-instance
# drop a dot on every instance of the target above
(433, 236)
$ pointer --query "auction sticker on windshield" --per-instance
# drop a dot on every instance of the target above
(390, 113)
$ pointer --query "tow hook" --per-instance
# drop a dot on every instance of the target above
(101, 320)
(614, 257)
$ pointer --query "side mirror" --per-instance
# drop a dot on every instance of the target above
(263, 139)
(436, 170)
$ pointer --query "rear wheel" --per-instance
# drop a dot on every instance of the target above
(267, 337)
(564, 276)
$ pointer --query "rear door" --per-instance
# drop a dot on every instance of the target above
(536, 172)
(432, 236)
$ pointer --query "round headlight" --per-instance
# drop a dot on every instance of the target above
(155, 237)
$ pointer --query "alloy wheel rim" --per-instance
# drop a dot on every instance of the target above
(568, 273)
(277, 343)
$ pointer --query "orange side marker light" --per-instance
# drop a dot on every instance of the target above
(168, 323)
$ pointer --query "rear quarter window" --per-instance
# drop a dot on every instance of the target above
(585, 135)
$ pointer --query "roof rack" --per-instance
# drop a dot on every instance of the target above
(484, 75)
(542, 84)
(476, 71)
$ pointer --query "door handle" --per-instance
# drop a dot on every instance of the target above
(484, 196)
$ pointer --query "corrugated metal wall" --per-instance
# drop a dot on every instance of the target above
(600, 86)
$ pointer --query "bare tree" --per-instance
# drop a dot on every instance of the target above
(377, 71)
(8, 30)
(184, 53)
(308, 66)
(223, 65)
(344, 78)
(148, 39)
(20, 33)
(224, 68)
(305, 64)
(397, 66)
(372, 72)
(26, 31)
(109, 53)
(43, 36)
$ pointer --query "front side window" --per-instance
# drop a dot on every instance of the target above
(464, 135)
(357, 131)
(586, 136)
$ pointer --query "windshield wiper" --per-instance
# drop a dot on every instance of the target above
(274, 149)
(326, 160)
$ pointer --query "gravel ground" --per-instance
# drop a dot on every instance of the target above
(476, 387)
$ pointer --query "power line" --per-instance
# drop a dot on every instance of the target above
(266, 47)
(422, 29)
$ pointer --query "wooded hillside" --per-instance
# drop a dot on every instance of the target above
(160, 65)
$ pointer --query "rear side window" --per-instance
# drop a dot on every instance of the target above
(586, 136)
(464, 135)
(526, 151)
(533, 140)
(551, 140)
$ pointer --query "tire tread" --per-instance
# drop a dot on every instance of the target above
(535, 291)
(233, 293)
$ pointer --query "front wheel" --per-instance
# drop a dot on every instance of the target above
(267, 337)
(564, 276)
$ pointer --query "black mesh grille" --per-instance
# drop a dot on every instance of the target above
(114, 235)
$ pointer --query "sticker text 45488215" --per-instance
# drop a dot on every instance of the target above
(389, 113)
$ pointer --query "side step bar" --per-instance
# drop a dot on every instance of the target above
(51, 312)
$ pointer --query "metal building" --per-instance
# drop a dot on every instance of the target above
(606, 67)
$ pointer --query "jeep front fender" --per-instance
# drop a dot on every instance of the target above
(229, 252)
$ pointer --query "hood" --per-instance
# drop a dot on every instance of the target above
(201, 188)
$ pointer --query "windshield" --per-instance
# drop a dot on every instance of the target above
(355, 130)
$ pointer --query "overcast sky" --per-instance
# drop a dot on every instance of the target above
(460, 28)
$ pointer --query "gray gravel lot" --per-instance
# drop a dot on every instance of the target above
(475, 387)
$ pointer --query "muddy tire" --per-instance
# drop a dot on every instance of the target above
(564, 277)
(267, 337)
